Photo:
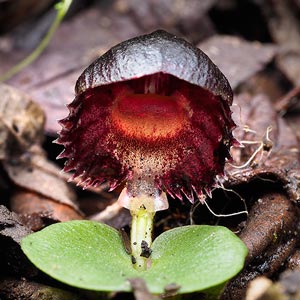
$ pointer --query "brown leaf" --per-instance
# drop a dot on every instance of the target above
(35, 173)
(21, 122)
(37, 211)
(13, 260)
(177, 16)
(284, 25)
(271, 236)
(288, 101)
(271, 230)
(11, 225)
(278, 157)
(51, 78)
(289, 63)
(271, 214)
(237, 58)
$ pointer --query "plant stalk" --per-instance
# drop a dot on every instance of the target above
(141, 237)
(62, 8)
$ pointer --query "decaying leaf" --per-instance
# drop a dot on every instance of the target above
(273, 141)
(21, 122)
(42, 178)
(177, 16)
(54, 88)
(11, 225)
(38, 211)
(40, 191)
(271, 235)
(271, 220)
(21, 134)
(269, 153)
(284, 26)
(237, 58)
(12, 259)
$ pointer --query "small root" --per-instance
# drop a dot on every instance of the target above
(202, 200)
(265, 145)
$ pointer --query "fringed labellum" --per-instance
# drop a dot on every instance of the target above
(154, 112)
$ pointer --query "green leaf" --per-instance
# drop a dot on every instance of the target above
(91, 256)
(195, 257)
(84, 254)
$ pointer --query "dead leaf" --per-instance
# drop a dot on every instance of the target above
(35, 173)
(271, 236)
(281, 160)
(13, 260)
(176, 16)
(284, 26)
(21, 122)
(237, 58)
(272, 213)
(11, 225)
(52, 77)
(38, 211)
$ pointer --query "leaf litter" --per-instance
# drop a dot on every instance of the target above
(269, 182)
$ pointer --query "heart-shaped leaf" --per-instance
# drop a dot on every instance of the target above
(91, 256)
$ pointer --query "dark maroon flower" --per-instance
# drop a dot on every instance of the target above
(154, 112)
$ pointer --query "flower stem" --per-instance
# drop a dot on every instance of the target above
(62, 8)
(141, 237)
